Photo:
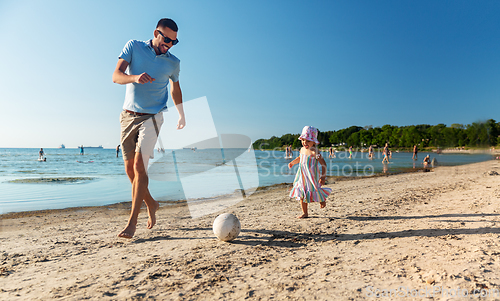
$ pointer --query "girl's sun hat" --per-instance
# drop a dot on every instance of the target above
(309, 133)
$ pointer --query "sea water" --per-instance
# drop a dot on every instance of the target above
(100, 179)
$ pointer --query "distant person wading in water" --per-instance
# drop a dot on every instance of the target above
(386, 153)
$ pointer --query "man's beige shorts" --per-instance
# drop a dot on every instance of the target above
(138, 135)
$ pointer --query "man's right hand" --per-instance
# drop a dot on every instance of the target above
(144, 78)
(120, 77)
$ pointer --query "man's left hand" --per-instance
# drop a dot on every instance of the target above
(181, 123)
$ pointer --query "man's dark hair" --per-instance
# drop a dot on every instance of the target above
(165, 22)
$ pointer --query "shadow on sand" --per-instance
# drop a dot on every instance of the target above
(289, 239)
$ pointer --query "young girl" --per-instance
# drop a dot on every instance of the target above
(307, 184)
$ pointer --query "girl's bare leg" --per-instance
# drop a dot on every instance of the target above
(304, 209)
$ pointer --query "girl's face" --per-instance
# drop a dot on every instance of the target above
(307, 144)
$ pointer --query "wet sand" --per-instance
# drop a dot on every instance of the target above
(420, 231)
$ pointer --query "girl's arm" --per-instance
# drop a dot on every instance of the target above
(295, 161)
(323, 169)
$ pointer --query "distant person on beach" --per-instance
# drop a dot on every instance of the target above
(386, 153)
(81, 150)
(117, 150)
(350, 152)
(415, 152)
(307, 184)
(370, 152)
(41, 154)
(147, 68)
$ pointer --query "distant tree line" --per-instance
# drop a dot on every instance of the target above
(477, 134)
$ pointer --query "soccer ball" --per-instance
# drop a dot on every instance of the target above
(226, 227)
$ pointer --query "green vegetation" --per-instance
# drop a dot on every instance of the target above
(477, 134)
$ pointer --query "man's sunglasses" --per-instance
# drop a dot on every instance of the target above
(168, 40)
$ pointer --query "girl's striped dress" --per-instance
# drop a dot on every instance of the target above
(306, 185)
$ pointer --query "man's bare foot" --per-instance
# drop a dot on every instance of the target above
(303, 216)
(322, 204)
(128, 232)
(152, 215)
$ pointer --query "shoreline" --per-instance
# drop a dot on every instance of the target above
(49, 199)
(260, 189)
(491, 151)
(417, 230)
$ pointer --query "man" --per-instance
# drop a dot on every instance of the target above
(41, 154)
(147, 68)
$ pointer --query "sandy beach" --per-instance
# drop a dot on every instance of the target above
(414, 233)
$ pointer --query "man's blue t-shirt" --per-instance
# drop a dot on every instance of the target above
(150, 97)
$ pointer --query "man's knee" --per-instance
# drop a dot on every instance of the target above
(129, 166)
(139, 167)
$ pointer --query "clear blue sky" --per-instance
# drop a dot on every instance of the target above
(266, 67)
